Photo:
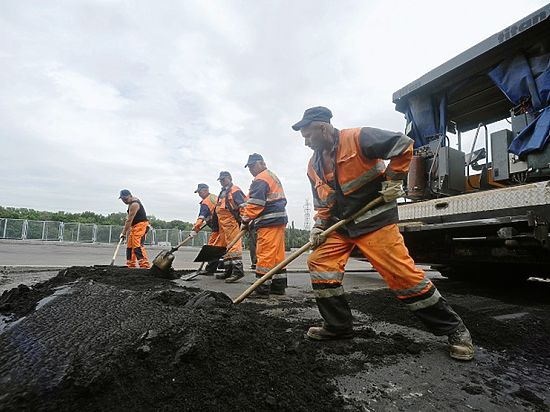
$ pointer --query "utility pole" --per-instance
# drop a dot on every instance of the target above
(307, 215)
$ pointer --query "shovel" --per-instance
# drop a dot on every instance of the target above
(163, 261)
(209, 253)
(116, 251)
(379, 200)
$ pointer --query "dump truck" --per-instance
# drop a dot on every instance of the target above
(480, 209)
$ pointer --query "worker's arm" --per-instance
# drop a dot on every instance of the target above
(204, 216)
(257, 198)
(393, 146)
(322, 217)
(239, 198)
(133, 209)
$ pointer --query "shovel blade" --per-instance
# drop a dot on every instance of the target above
(163, 260)
(190, 276)
(209, 253)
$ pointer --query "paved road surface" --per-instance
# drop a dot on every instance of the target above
(30, 262)
(32, 253)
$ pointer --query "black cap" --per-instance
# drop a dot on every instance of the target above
(223, 174)
(124, 193)
(201, 186)
(253, 158)
(314, 114)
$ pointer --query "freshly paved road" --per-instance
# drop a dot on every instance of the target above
(30, 262)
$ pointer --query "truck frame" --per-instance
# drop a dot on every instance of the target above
(493, 223)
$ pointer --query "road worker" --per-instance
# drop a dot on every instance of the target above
(230, 201)
(266, 208)
(346, 172)
(138, 225)
(207, 214)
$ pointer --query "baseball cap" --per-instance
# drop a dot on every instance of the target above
(124, 193)
(253, 158)
(314, 114)
(224, 174)
(201, 186)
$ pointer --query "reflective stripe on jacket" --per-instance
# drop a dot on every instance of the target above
(207, 213)
(358, 170)
(266, 201)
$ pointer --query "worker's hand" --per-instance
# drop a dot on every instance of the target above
(316, 237)
(122, 236)
(192, 234)
(392, 190)
(245, 221)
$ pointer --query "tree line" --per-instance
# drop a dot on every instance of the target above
(294, 237)
(116, 219)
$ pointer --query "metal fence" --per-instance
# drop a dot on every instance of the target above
(24, 229)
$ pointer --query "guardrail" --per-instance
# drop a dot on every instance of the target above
(24, 229)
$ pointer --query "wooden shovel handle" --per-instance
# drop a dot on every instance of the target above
(379, 200)
(235, 240)
(184, 241)
(116, 251)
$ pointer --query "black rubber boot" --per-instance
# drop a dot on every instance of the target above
(278, 286)
(228, 268)
(261, 292)
(237, 273)
(211, 268)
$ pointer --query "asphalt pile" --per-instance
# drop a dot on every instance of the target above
(111, 338)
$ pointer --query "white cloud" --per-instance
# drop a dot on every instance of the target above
(158, 96)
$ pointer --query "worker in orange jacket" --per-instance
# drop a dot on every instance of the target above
(266, 207)
(346, 172)
(207, 214)
(230, 201)
(138, 225)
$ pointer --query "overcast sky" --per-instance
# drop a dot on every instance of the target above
(157, 96)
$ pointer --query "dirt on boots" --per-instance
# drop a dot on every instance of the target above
(460, 344)
(236, 273)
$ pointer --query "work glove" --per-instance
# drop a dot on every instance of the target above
(192, 234)
(122, 236)
(392, 190)
(316, 237)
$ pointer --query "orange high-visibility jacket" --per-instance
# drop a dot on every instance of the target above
(232, 199)
(358, 170)
(207, 213)
(266, 201)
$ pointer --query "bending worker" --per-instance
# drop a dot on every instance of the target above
(207, 214)
(266, 206)
(346, 172)
(230, 201)
(138, 226)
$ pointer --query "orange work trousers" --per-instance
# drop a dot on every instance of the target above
(135, 251)
(270, 247)
(229, 229)
(215, 239)
(386, 251)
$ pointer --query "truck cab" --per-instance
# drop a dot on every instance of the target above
(480, 207)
